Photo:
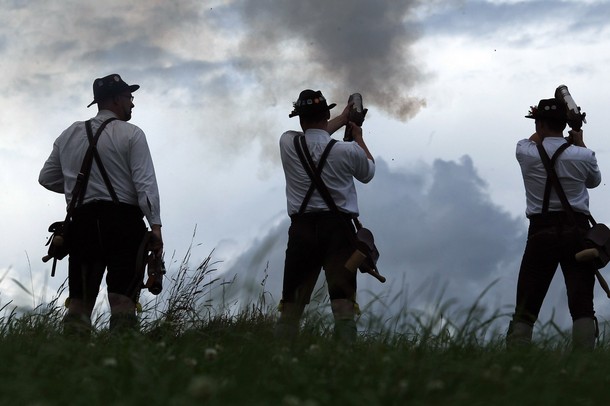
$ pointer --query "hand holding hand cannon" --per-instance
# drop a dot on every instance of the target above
(356, 114)
(575, 117)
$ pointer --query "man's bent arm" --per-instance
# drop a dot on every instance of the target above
(357, 134)
(339, 121)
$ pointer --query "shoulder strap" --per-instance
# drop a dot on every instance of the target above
(83, 176)
(550, 163)
(554, 179)
(98, 160)
(314, 172)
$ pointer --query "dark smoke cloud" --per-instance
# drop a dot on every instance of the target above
(345, 46)
(217, 59)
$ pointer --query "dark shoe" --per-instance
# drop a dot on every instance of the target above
(124, 323)
(77, 326)
(345, 331)
(519, 335)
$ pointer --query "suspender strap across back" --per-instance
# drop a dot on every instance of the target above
(551, 178)
(92, 153)
(314, 172)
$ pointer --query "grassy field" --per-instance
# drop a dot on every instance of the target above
(193, 352)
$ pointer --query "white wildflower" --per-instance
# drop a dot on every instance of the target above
(314, 348)
(435, 385)
(109, 362)
(190, 361)
(291, 400)
(202, 387)
(518, 369)
(210, 354)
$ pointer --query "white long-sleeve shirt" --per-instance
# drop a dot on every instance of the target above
(576, 168)
(125, 155)
(346, 161)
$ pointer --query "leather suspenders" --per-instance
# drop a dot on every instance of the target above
(552, 179)
(314, 172)
(92, 153)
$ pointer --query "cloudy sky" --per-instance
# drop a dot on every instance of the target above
(447, 84)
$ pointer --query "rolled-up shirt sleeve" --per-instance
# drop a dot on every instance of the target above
(594, 176)
(51, 175)
(144, 178)
(364, 168)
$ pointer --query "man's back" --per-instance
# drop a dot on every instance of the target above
(345, 162)
(576, 168)
(124, 154)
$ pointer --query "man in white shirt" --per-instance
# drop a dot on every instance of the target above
(318, 237)
(107, 226)
(553, 238)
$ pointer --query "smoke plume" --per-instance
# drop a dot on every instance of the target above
(346, 46)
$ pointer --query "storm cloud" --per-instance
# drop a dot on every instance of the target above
(437, 230)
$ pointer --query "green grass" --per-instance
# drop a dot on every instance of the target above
(194, 349)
